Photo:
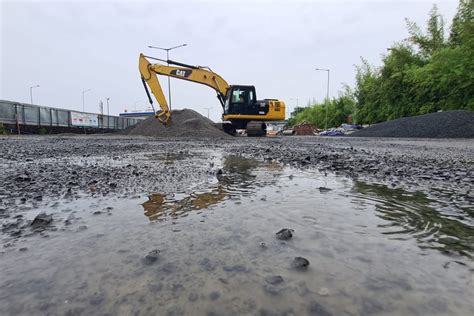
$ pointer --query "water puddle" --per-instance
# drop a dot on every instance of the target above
(209, 248)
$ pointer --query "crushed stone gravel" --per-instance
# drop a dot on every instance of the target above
(183, 123)
(449, 124)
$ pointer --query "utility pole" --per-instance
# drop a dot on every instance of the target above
(31, 92)
(327, 96)
(167, 61)
(83, 103)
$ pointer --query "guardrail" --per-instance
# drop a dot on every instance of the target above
(22, 114)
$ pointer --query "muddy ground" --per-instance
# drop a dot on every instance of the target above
(53, 174)
(55, 167)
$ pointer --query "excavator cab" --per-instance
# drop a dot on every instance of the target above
(241, 100)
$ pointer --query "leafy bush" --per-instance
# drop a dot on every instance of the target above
(422, 74)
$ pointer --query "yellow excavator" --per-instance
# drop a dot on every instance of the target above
(241, 108)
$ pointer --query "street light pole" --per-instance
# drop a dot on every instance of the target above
(208, 111)
(297, 105)
(167, 61)
(31, 92)
(327, 96)
(83, 103)
(108, 115)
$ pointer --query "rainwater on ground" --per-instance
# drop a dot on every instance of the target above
(209, 248)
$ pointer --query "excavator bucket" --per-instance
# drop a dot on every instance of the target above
(163, 117)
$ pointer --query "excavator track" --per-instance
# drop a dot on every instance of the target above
(256, 129)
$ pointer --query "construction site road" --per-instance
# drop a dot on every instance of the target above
(140, 225)
(36, 166)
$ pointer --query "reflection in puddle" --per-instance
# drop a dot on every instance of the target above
(413, 215)
(238, 177)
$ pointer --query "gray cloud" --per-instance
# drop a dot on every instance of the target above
(68, 47)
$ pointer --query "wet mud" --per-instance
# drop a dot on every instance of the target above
(277, 226)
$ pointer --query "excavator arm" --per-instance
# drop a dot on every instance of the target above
(196, 74)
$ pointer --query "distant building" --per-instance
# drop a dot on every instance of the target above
(137, 114)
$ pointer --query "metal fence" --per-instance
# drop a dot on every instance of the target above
(41, 116)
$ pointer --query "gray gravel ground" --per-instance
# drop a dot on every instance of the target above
(449, 124)
(54, 167)
(74, 239)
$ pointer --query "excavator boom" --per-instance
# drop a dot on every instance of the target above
(196, 74)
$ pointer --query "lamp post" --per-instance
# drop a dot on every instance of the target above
(167, 59)
(31, 92)
(297, 104)
(327, 96)
(208, 111)
(83, 103)
(108, 115)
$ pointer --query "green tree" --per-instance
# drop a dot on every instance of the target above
(433, 40)
(462, 28)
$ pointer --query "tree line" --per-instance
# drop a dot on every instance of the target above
(429, 71)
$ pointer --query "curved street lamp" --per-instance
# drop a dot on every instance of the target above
(83, 103)
(31, 92)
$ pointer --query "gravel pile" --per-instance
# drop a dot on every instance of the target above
(449, 124)
(183, 123)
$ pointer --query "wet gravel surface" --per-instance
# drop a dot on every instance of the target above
(68, 187)
(55, 167)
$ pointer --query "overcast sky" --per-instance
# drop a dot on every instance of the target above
(68, 47)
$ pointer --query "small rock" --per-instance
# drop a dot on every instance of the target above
(23, 249)
(316, 308)
(193, 297)
(81, 228)
(225, 281)
(236, 268)
(41, 220)
(15, 233)
(274, 279)
(324, 189)
(151, 257)
(300, 263)
(23, 178)
(214, 296)
(272, 289)
(97, 298)
(285, 234)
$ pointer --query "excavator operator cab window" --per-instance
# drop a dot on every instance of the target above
(238, 96)
(242, 100)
